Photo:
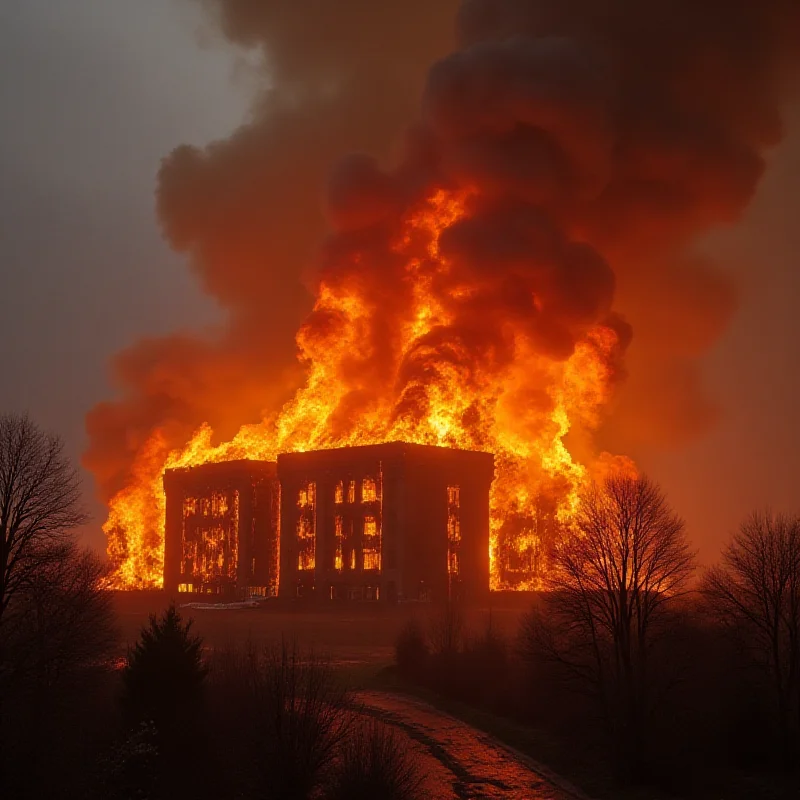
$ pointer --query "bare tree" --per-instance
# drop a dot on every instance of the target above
(61, 622)
(614, 574)
(39, 502)
(755, 592)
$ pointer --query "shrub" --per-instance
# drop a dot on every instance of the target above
(374, 762)
(284, 716)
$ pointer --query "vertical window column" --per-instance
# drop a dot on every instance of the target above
(307, 528)
(453, 534)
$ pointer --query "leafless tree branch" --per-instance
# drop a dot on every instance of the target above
(39, 502)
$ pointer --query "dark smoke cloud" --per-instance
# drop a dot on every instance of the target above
(662, 114)
(605, 138)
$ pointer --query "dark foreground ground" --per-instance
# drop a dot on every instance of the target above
(466, 752)
(458, 760)
(350, 634)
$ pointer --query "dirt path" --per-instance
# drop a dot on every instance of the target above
(462, 762)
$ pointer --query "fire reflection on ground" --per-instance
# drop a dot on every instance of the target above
(460, 761)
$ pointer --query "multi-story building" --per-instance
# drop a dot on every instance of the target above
(385, 522)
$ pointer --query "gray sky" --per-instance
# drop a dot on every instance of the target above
(94, 93)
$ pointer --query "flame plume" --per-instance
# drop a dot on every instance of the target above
(437, 388)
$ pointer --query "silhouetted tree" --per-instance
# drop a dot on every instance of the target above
(39, 508)
(755, 592)
(374, 762)
(613, 578)
(59, 636)
(164, 677)
(484, 668)
(39, 503)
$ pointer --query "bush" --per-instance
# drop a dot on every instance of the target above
(411, 651)
(282, 717)
(374, 762)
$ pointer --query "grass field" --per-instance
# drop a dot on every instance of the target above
(349, 633)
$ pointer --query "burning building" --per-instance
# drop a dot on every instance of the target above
(477, 290)
(385, 522)
(373, 522)
(221, 530)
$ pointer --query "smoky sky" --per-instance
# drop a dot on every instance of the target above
(93, 94)
(100, 93)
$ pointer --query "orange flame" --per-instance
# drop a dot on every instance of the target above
(522, 411)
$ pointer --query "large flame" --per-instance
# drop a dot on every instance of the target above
(433, 390)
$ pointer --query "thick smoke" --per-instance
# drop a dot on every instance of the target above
(594, 144)
(662, 113)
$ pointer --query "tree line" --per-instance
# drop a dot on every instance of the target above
(671, 674)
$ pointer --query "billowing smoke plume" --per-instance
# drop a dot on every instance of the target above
(539, 219)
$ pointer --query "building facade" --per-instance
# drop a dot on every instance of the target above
(386, 522)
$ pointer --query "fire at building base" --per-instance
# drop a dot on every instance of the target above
(385, 523)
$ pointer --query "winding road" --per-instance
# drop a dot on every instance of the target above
(460, 761)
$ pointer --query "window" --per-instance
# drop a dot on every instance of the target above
(351, 492)
(453, 531)
(372, 543)
(306, 544)
(338, 562)
(372, 560)
(369, 491)
(306, 496)
(454, 496)
(338, 495)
